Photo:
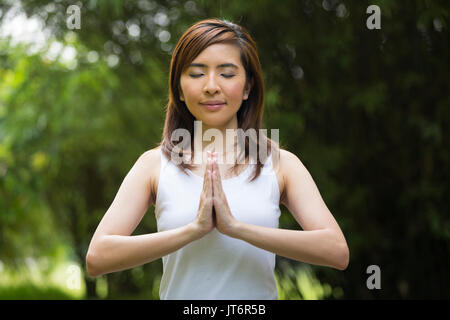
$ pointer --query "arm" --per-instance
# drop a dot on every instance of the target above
(113, 253)
(112, 248)
(321, 242)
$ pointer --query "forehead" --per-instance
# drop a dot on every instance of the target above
(219, 53)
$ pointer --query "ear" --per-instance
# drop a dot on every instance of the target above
(247, 89)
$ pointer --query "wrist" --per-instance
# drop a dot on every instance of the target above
(236, 229)
(195, 231)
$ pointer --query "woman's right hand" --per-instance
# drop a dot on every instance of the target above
(204, 221)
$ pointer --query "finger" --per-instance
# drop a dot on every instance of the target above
(217, 180)
(207, 177)
(215, 165)
(215, 156)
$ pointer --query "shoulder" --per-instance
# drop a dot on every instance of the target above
(284, 160)
(287, 167)
(152, 155)
(149, 159)
(150, 162)
(289, 160)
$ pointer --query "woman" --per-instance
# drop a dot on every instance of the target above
(217, 228)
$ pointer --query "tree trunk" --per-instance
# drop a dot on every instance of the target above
(90, 288)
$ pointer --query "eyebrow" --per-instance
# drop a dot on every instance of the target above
(223, 65)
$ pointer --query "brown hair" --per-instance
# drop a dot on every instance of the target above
(194, 40)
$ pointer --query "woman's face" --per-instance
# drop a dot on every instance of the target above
(213, 85)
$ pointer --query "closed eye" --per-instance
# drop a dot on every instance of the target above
(199, 75)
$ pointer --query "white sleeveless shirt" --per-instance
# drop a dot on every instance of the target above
(216, 266)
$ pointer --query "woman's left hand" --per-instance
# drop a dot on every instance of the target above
(225, 222)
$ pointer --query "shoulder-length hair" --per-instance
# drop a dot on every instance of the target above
(194, 40)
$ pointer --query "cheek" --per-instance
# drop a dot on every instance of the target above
(235, 91)
(188, 90)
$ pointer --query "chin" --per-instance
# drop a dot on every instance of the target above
(217, 119)
(213, 121)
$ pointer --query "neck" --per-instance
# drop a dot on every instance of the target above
(210, 140)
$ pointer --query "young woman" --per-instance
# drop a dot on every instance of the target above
(217, 220)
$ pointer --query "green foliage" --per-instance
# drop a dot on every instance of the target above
(300, 283)
(32, 292)
(365, 110)
(49, 277)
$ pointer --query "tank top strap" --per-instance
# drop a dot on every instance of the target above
(269, 172)
(164, 160)
(271, 161)
(161, 182)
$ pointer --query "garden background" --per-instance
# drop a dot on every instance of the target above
(366, 110)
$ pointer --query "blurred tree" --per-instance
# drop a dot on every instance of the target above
(365, 110)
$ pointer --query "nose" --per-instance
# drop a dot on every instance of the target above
(211, 85)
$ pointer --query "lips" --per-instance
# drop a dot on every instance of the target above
(213, 102)
(213, 106)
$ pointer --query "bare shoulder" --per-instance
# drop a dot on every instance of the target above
(288, 165)
(151, 162)
(152, 155)
(289, 160)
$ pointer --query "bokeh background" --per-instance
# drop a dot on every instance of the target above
(367, 112)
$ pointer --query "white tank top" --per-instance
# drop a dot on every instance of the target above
(216, 266)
